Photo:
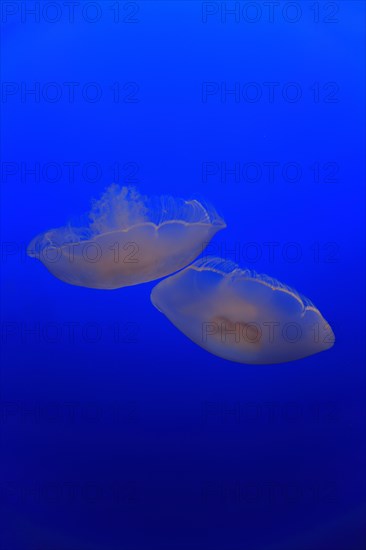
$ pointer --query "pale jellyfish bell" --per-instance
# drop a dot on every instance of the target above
(241, 316)
(129, 239)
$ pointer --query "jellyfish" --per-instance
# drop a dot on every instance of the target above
(128, 239)
(240, 315)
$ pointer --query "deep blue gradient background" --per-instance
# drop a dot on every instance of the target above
(118, 433)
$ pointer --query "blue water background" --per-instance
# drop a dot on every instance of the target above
(118, 433)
